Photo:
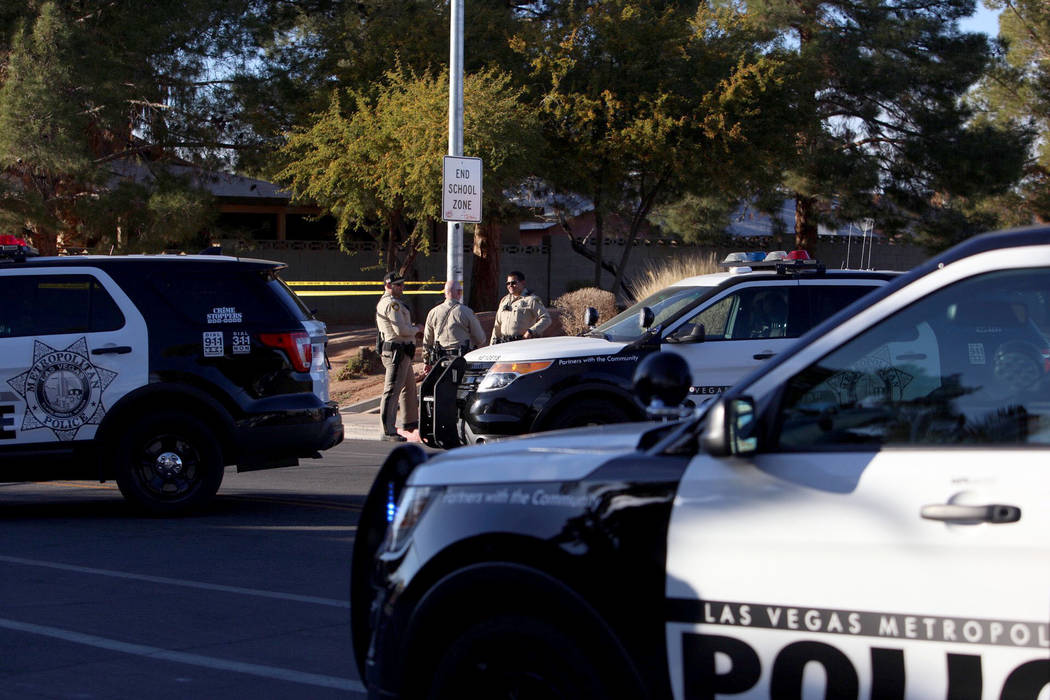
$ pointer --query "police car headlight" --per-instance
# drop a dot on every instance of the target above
(407, 513)
(503, 373)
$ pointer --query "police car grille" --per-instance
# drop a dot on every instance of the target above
(471, 378)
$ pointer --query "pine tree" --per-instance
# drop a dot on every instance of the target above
(878, 86)
(88, 88)
(1016, 93)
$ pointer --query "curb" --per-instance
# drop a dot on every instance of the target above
(366, 406)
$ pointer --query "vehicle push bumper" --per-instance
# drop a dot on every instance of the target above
(438, 404)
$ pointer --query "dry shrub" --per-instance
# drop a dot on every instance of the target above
(572, 305)
(366, 362)
(657, 275)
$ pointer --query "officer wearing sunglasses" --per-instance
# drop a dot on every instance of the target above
(520, 314)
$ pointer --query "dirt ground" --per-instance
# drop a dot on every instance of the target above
(345, 343)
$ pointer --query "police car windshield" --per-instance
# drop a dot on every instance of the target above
(665, 304)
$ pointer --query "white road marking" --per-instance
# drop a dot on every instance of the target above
(331, 602)
(282, 674)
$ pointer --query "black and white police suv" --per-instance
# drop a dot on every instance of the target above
(156, 371)
(724, 324)
(866, 515)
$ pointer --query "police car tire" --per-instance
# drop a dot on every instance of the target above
(168, 463)
(514, 656)
(577, 413)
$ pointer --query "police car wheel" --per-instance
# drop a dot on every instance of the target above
(168, 463)
(584, 412)
(513, 656)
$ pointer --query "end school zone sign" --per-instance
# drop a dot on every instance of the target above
(461, 189)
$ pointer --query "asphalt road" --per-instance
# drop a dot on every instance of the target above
(247, 599)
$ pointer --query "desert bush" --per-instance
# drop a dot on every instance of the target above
(572, 305)
(656, 276)
(366, 362)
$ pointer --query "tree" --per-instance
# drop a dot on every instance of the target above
(375, 162)
(307, 49)
(648, 101)
(884, 133)
(1016, 93)
(87, 85)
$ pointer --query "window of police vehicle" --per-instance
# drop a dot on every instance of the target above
(966, 364)
(865, 516)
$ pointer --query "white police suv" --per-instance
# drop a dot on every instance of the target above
(724, 324)
(156, 371)
(866, 515)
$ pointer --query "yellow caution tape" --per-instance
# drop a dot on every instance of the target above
(354, 284)
(336, 293)
(363, 292)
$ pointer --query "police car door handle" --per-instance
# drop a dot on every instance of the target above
(112, 350)
(912, 356)
(764, 355)
(950, 512)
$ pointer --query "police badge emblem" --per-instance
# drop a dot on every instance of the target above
(62, 390)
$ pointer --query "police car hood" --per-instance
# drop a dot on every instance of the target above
(561, 455)
(558, 347)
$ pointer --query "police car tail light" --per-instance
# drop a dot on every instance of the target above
(503, 373)
(296, 346)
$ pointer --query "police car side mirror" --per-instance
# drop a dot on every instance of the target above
(696, 334)
(590, 317)
(661, 382)
(646, 317)
(732, 428)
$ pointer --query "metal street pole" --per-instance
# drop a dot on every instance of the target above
(454, 263)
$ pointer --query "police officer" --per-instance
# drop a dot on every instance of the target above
(452, 328)
(520, 314)
(398, 336)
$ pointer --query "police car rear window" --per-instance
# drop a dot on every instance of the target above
(55, 304)
(290, 299)
(232, 295)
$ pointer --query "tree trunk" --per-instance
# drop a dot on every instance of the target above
(485, 291)
(806, 224)
(599, 242)
(638, 217)
(45, 242)
(391, 241)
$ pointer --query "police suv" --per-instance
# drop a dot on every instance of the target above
(866, 515)
(156, 371)
(723, 324)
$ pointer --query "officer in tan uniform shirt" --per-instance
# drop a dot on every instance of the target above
(520, 314)
(398, 336)
(451, 328)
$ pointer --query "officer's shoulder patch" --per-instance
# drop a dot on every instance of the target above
(394, 306)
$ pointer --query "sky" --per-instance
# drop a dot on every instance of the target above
(984, 20)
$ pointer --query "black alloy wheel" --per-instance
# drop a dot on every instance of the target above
(168, 463)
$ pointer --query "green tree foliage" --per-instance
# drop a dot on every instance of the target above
(89, 85)
(646, 101)
(1016, 93)
(884, 134)
(307, 49)
(375, 161)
